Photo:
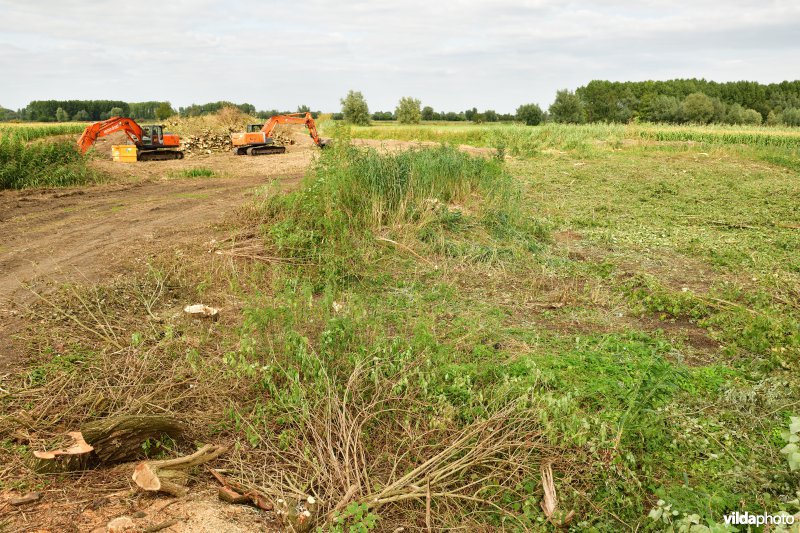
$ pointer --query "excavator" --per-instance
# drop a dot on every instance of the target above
(257, 140)
(152, 142)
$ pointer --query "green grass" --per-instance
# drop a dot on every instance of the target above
(197, 172)
(517, 139)
(634, 298)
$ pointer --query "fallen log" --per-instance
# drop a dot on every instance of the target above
(112, 440)
(120, 438)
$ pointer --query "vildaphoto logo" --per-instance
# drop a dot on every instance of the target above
(743, 519)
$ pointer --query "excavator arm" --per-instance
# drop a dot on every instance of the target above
(294, 118)
(106, 127)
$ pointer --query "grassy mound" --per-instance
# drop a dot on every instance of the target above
(421, 200)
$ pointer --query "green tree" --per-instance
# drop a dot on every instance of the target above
(408, 110)
(427, 113)
(568, 108)
(662, 108)
(115, 112)
(735, 114)
(490, 115)
(303, 109)
(81, 116)
(355, 109)
(773, 118)
(530, 114)
(61, 115)
(164, 111)
(752, 117)
(697, 108)
(791, 117)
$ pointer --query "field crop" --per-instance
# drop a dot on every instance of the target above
(419, 335)
(527, 140)
(41, 164)
(32, 131)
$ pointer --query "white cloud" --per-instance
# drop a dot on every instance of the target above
(452, 54)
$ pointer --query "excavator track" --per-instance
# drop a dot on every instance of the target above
(159, 155)
(264, 149)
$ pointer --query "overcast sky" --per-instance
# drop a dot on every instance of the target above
(450, 54)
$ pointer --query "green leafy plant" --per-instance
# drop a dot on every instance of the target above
(792, 437)
(356, 518)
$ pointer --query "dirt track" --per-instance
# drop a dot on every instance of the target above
(93, 233)
(59, 234)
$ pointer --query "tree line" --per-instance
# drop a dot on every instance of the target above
(94, 110)
(672, 101)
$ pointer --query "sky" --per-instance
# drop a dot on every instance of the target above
(451, 54)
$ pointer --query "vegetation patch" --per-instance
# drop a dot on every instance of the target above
(41, 164)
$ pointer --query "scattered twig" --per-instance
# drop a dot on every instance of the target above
(163, 525)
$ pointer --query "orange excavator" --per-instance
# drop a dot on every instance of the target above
(152, 142)
(257, 140)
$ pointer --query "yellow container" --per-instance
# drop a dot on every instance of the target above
(124, 153)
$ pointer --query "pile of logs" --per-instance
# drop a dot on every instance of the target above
(208, 142)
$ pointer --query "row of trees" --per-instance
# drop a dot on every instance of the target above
(689, 100)
(602, 101)
(410, 111)
(86, 110)
(89, 110)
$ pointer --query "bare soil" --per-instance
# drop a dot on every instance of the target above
(93, 233)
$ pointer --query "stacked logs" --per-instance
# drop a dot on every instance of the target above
(208, 142)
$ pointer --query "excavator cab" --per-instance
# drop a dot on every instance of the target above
(152, 135)
(254, 128)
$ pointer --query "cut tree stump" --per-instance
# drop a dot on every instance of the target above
(70, 458)
(170, 475)
(112, 440)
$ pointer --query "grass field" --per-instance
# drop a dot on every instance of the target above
(430, 329)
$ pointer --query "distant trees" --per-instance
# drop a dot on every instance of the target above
(382, 115)
(355, 109)
(408, 110)
(81, 116)
(427, 113)
(196, 110)
(45, 110)
(8, 114)
(61, 115)
(655, 101)
(530, 114)
(164, 111)
(567, 108)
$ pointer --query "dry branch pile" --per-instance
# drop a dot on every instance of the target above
(371, 450)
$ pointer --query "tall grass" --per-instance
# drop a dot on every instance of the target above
(41, 164)
(355, 194)
(33, 132)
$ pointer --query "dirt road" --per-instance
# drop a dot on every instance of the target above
(84, 233)
(93, 233)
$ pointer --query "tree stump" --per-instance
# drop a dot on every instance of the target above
(170, 475)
